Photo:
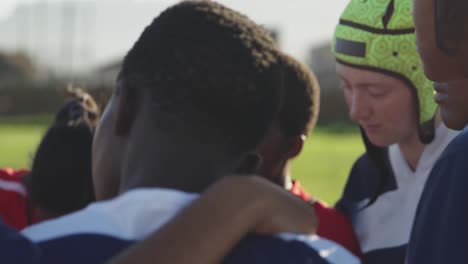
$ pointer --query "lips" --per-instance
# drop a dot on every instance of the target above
(441, 95)
(372, 129)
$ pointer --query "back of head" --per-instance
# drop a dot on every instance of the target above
(212, 70)
(60, 179)
(295, 120)
(301, 103)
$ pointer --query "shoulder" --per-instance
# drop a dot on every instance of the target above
(11, 174)
(362, 183)
(364, 170)
(16, 248)
(441, 216)
(330, 215)
(82, 248)
(447, 180)
(457, 149)
(452, 162)
(12, 181)
(288, 248)
(13, 199)
(336, 226)
(362, 177)
(80, 237)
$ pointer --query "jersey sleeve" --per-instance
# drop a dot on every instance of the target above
(440, 230)
(15, 210)
(336, 226)
(17, 249)
(361, 185)
(288, 249)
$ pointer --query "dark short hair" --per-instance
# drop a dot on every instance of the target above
(300, 109)
(210, 67)
(60, 179)
(450, 23)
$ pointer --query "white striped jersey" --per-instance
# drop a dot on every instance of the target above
(103, 229)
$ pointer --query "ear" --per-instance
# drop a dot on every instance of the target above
(295, 145)
(249, 164)
(126, 108)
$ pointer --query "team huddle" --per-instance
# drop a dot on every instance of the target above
(190, 160)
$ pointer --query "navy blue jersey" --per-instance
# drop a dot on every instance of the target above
(95, 248)
(104, 229)
(361, 185)
(440, 230)
(15, 248)
(383, 228)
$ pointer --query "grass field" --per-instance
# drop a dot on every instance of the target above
(322, 167)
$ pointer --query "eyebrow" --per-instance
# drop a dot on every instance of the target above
(359, 84)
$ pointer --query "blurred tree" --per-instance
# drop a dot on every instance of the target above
(16, 70)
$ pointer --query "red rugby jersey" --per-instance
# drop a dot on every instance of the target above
(333, 224)
(15, 210)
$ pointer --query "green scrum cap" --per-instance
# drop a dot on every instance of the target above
(378, 35)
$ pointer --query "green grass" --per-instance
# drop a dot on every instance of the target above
(325, 162)
(19, 137)
(322, 167)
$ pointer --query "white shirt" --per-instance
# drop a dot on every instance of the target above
(137, 213)
(387, 223)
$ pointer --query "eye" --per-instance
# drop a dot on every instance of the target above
(378, 92)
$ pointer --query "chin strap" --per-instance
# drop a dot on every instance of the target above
(379, 156)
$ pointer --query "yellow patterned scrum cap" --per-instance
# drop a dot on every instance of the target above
(378, 35)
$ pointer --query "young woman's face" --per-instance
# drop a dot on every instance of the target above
(449, 72)
(382, 105)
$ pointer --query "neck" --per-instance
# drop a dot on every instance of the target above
(287, 181)
(42, 214)
(412, 148)
(191, 169)
(171, 173)
(280, 174)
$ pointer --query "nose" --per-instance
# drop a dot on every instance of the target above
(359, 107)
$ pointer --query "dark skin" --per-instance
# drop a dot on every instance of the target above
(452, 98)
(271, 212)
(151, 155)
(450, 72)
(277, 152)
(42, 214)
(263, 207)
(285, 138)
(107, 155)
(438, 66)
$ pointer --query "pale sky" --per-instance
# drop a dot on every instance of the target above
(301, 23)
